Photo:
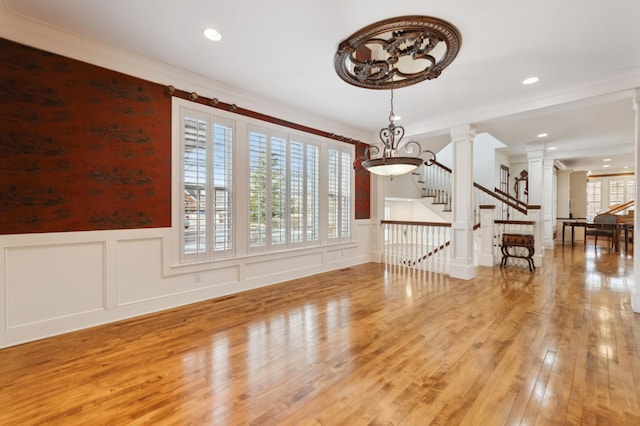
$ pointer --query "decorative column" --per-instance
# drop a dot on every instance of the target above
(535, 154)
(376, 232)
(487, 231)
(534, 213)
(635, 297)
(548, 192)
(461, 265)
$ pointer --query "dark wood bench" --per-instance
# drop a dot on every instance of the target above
(517, 240)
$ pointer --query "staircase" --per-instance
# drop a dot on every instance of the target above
(425, 245)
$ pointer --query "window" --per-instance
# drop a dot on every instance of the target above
(339, 203)
(616, 192)
(207, 184)
(283, 191)
(593, 197)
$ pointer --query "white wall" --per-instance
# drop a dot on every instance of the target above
(578, 188)
(54, 283)
(563, 193)
(486, 159)
(502, 159)
(411, 211)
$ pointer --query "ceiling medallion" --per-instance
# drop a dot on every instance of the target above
(397, 52)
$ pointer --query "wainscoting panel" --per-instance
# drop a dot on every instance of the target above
(54, 283)
(49, 282)
(140, 269)
(268, 268)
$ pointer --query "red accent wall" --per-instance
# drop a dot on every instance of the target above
(363, 187)
(81, 147)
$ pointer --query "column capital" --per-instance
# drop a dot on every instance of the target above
(462, 133)
(535, 149)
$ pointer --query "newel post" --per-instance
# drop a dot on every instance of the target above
(535, 213)
(487, 232)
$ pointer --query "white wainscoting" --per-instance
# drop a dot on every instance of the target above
(60, 282)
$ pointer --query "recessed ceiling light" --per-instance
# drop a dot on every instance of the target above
(626, 167)
(607, 159)
(530, 80)
(543, 135)
(606, 165)
(552, 148)
(212, 34)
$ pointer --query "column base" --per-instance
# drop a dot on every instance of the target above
(463, 272)
(486, 260)
(635, 302)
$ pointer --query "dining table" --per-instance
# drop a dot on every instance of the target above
(625, 228)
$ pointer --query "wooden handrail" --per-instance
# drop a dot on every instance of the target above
(511, 198)
(404, 222)
(514, 222)
(442, 166)
(431, 253)
(507, 202)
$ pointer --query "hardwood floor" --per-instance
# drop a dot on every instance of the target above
(364, 345)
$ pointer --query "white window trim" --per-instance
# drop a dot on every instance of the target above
(172, 238)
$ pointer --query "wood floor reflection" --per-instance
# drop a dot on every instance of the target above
(364, 345)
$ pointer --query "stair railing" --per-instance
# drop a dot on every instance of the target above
(421, 245)
(436, 182)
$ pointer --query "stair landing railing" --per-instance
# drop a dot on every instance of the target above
(420, 245)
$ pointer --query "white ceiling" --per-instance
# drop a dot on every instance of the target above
(586, 52)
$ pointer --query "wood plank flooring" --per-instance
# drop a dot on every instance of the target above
(364, 345)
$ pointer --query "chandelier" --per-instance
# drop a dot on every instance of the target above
(391, 163)
(394, 53)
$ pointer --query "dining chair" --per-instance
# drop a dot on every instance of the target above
(602, 231)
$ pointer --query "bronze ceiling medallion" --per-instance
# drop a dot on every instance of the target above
(397, 52)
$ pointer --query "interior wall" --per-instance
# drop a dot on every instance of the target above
(578, 195)
(502, 160)
(56, 282)
(563, 194)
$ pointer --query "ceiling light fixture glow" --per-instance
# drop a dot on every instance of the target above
(212, 34)
(530, 80)
(552, 148)
(607, 159)
(543, 135)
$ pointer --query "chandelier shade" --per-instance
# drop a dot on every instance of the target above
(392, 166)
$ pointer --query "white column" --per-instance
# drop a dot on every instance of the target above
(635, 297)
(378, 195)
(462, 225)
(535, 214)
(487, 217)
(548, 191)
(535, 156)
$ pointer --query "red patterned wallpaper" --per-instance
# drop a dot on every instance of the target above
(81, 147)
(363, 187)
